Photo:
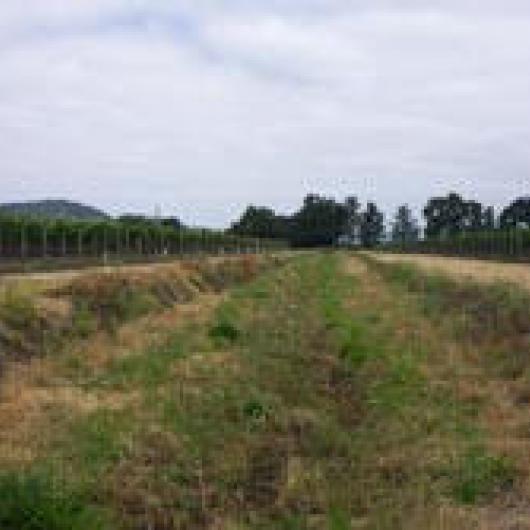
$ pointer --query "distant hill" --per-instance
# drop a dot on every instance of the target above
(53, 209)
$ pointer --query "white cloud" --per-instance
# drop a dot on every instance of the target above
(207, 107)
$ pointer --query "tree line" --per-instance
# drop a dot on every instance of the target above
(451, 224)
(323, 221)
(320, 222)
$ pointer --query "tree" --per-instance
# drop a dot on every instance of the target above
(172, 222)
(517, 214)
(405, 227)
(319, 222)
(352, 228)
(257, 222)
(488, 218)
(444, 215)
(447, 216)
(372, 226)
(472, 216)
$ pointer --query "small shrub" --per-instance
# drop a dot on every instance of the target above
(478, 475)
(83, 321)
(18, 311)
(225, 331)
(110, 299)
(339, 520)
(34, 501)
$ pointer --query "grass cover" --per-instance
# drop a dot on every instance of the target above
(317, 396)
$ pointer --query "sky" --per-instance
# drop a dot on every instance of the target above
(201, 107)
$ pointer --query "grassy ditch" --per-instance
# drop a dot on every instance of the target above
(484, 330)
(305, 402)
(37, 322)
(494, 318)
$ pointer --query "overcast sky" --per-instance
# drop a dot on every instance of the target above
(204, 106)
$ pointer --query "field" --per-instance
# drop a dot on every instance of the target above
(464, 269)
(312, 391)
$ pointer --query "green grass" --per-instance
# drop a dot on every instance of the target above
(494, 317)
(141, 369)
(36, 501)
(300, 404)
(478, 475)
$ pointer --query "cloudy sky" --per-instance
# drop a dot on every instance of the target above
(204, 106)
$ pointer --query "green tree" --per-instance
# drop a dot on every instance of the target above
(405, 228)
(372, 226)
(257, 222)
(488, 218)
(517, 214)
(319, 222)
(451, 215)
(352, 228)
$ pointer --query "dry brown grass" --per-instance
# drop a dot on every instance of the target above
(462, 368)
(39, 392)
(37, 316)
(50, 281)
(32, 393)
(35, 392)
(462, 268)
(465, 365)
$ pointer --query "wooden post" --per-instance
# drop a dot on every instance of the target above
(118, 241)
(181, 242)
(105, 242)
(79, 242)
(44, 240)
(23, 249)
(63, 242)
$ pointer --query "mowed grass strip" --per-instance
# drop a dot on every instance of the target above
(303, 403)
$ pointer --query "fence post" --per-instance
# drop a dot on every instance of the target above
(63, 242)
(181, 241)
(105, 244)
(44, 240)
(23, 240)
(118, 241)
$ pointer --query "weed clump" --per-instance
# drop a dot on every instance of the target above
(28, 326)
(477, 476)
(227, 273)
(111, 299)
(225, 331)
(33, 501)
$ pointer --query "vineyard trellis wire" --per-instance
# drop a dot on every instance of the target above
(26, 238)
(511, 244)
